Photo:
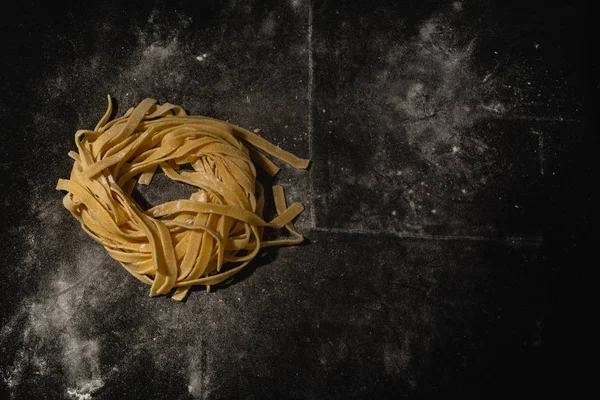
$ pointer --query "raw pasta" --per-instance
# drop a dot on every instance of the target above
(202, 240)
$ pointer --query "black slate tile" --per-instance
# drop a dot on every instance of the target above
(410, 134)
(348, 316)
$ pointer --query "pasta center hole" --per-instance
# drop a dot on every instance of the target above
(162, 189)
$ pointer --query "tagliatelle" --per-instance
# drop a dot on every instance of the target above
(202, 240)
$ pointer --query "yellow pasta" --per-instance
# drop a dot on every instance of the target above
(202, 240)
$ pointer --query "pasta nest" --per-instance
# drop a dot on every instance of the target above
(173, 246)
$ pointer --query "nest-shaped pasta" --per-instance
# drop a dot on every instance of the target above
(187, 242)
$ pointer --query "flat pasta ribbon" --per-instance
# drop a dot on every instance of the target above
(173, 246)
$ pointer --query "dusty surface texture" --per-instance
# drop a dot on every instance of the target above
(449, 147)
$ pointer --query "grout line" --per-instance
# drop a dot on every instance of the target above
(432, 237)
(541, 155)
(514, 118)
(313, 217)
(537, 119)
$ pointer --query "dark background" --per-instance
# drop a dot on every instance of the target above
(448, 206)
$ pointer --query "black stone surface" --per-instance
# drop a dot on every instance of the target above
(448, 205)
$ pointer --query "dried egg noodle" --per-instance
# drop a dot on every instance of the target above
(178, 244)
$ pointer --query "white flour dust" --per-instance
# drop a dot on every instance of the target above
(50, 340)
(431, 98)
(200, 384)
(444, 92)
